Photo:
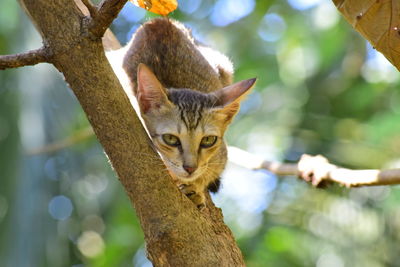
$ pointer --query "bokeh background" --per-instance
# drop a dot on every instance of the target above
(321, 89)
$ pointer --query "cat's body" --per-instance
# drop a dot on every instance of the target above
(168, 49)
(185, 100)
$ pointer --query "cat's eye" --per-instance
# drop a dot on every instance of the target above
(171, 140)
(208, 141)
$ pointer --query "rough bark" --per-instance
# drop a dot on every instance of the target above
(24, 59)
(176, 233)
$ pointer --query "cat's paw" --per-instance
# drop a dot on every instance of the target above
(191, 191)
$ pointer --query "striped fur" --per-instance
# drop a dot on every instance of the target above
(183, 90)
(191, 105)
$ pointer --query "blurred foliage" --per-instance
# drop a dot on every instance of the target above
(321, 89)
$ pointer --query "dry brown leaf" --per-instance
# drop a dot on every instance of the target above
(161, 7)
(378, 21)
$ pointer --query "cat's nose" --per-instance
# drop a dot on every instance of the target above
(190, 169)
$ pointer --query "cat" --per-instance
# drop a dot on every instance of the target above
(186, 99)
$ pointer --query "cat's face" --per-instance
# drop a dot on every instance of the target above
(186, 126)
(188, 152)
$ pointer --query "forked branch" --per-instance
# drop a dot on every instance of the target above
(28, 58)
(90, 7)
(107, 11)
(317, 170)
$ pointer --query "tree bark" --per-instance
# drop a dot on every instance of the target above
(176, 232)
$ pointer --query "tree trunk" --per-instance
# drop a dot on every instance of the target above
(176, 233)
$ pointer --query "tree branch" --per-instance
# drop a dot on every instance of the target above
(316, 170)
(108, 10)
(28, 58)
(110, 42)
(90, 7)
(77, 137)
(176, 232)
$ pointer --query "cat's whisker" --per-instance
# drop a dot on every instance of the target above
(215, 163)
(146, 154)
(216, 174)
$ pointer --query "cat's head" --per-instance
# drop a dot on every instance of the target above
(187, 126)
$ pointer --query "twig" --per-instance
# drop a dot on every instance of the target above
(108, 10)
(110, 42)
(69, 141)
(91, 8)
(28, 58)
(317, 169)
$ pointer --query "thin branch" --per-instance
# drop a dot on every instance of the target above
(79, 136)
(108, 10)
(28, 58)
(91, 8)
(110, 42)
(316, 170)
(313, 169)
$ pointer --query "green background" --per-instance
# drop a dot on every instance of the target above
(321, 90)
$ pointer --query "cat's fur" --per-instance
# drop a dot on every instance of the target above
(183, 89)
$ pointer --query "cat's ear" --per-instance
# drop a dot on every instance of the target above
(151, 95)
(230, 96)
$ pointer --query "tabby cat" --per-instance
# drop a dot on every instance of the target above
(186, 100)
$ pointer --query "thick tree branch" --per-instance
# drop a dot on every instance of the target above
(108, 10)
(176, 232)
(28, 58)
(317, 170)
